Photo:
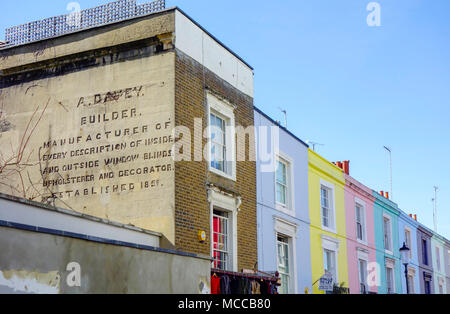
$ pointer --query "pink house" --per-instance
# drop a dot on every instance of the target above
(361, 250)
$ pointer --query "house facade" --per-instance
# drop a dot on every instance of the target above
(387, 244)
(407, 233)
(426, 278)
(328, 225)
(447, 263)
(438, 252)
(282, 204)
(112, 121)
(361, 251)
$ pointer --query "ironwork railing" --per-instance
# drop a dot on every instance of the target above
(64, 24)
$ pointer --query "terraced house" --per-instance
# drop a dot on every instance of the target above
(424, 236)
(283, 213)
(407, 234)
(387, 244)
(361, 251)
(437, 252)
(328, 221)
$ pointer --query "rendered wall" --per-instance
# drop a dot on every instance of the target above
(357, 192)
(320, 168)
(267, 212)
(37, 263)
(384, 207)
(405, 221)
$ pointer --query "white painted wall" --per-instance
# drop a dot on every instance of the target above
(193, 41)
(45, 218)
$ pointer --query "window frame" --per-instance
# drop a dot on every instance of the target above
(438, 257)
(225, 111)
(391, 244)
(331, 244)
(289, 207)
(219, 201)
(362, 205)
(331, 189)
(408, 230)
(390, 264)
(288, 257)
(288, 230)
(425, 257)
(228, 239)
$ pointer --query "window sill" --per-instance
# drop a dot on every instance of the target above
(362, 242)
(222, 174)
(284, 209)
(329, 229)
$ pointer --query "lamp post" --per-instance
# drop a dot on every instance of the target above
(404, 254)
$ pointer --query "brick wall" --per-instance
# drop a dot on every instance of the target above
(192, 212)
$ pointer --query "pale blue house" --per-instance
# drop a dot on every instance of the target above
(282, 205)
(407, 230)
(387, 244)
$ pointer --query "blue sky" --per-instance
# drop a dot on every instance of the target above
(349, 86)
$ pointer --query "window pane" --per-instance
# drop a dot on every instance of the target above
(281, 173)
(281, 194)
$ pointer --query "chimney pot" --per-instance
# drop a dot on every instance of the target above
(415, 217)
(386, 195)
(382, 193)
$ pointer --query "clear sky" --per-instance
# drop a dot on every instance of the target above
(349, 86)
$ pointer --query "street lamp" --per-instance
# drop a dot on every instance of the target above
(404, 254)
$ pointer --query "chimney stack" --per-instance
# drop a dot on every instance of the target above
(346, 166)
(382, 193)
(415, 217)
(339, 164)
(386, 194)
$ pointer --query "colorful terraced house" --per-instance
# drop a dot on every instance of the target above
(328, 225)
(359, 201)
(386, 216)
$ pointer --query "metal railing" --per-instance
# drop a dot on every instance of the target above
(64, 24)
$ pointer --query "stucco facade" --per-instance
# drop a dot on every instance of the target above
(407, 230)
(289, 220)
(328, 244)
(426, 277)
(438, 252)
(360, 245)
(447, 264)
(387, 245)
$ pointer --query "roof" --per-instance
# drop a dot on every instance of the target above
(172, 9)
(281, 127)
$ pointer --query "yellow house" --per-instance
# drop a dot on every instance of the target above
(327, 214)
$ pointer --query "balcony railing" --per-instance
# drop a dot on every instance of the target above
(75, 21)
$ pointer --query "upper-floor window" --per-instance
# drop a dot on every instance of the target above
(360, 223)
(424, 252)
(438, 258)
(327, 207)
(408, 241)
(218, 143)
(387, 229)
(282, 182)
(221, 149)
(284, 196)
